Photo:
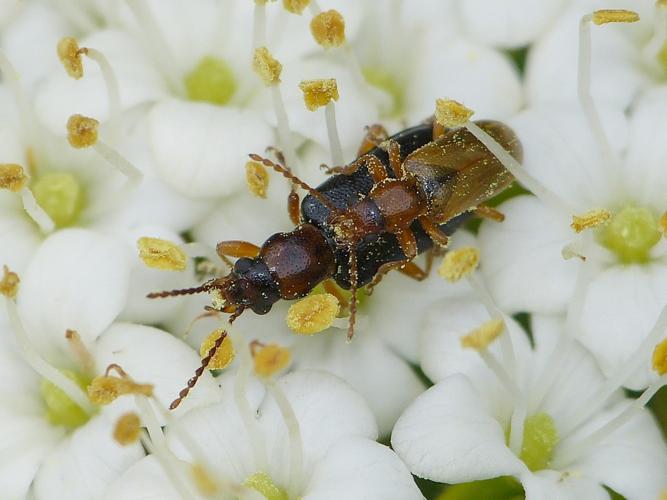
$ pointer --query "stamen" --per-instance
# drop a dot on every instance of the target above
(332, 132)
(9, 285)
(319, 93)
(266, 66)
(113, 90)
(14, 178)
(270, 360)
(127, 429)
(157, 253)
(605, 16)
(82, 131)
(659, 359)
(204, 481)
(257, 178)
(328, 29)
(105, 389)
(225, 353)
(591, 219)
(80, 351)
(12, 79)
(483, 336)
(458, 263)
(450, 113)
(259, 24)
(296, 6)
(313, 314)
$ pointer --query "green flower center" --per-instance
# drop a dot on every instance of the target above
(60, 195)
(498, 488)
(262, 483)
(539, 439)
(212, 80)
(631, 234)
(60, 409)
(385, 81)
(661, 56)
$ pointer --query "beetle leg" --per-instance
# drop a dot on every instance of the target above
(354, 282)
(376, 134)
(408, 244)
(394, 151)
(487, 212)
(237, 248)
(375, 168)
(412, 270)
(433, 230)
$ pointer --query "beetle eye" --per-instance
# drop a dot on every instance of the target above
(242, 265)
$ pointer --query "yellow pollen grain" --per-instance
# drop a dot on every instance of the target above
(328, 29)
(82, 131)
(271, 359)
(127, 429)
(605, 16)
(223, 356)
(313, 314)
(9, 285)
(317, 93)
(450, 113)
(204, 482)
(256, 178)
(106, 389)
(592, 218)
(161, 254)
(662, 223)
(481, 337)
(659, 359)
(266, 66)
(458, 263)
(295, 6)
(12, 177)
(69, 54)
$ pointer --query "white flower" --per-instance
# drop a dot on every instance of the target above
(308, 436)
(77, 283)
(549, 418)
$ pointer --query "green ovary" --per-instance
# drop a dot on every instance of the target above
(60, 195)
(631, 234)
(262, 483)
(60, 409)
(385, 81)
(539, 439)
(212, 80)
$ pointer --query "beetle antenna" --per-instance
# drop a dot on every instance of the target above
(354, 282)
(181, 291)
(289, 175)
(204, 363)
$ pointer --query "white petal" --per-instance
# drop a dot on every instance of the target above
(20, 238)
(360, 468)
(552, 485)
(620, 308)
(77, 280)
(521, 258)
(85, 463)
(145, 480)
(448, 435)
(200, 149)
(152, 356)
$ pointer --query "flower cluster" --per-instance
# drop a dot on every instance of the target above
(532, 364)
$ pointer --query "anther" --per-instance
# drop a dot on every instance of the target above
(318, 93)
(459, 263)
(127, 429)
(9, 285)
(80, 351)
(296, 6)
(105, 389)
(161, 254)
(224, 354)
(659, 358)
(82, 131)
(313, 314)
(69, 54)
(605, 16)
(257, 178)
(266, 66)
(480, 338)
(451, 114)
(328, 29)
(12, 177)
(270, 360)
(593, 218)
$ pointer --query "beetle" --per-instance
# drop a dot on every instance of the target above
(400, 197)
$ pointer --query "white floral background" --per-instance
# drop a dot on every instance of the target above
(565, 404)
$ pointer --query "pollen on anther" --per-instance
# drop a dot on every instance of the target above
(659, 359)
(592, 218)
(161, 254)
(105, 389)
(223, 356)
(127, 428)
(450, 113)
(459, 263)
(295, 6)
(266, 66)
(9, 285)
(328, 28)
(271, 359)
(12, 177)
(317, 93)
(481, 337)
(69, 54)
(605, 16)
(82, 131)
(257, 178)
(313, 314)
